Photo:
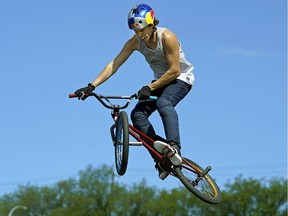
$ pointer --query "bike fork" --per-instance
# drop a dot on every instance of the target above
(112, 131)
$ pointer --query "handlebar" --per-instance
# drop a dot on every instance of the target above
(104, 100)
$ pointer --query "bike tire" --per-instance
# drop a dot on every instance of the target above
(122, 143)
(206, 189)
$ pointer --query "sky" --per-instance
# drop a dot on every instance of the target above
(234, 119)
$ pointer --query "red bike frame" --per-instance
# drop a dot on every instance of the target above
(145, 140)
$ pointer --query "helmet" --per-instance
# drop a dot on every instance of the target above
(140, 16)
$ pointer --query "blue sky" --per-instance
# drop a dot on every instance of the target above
(234, 119)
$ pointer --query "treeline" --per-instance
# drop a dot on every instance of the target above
(96, 193)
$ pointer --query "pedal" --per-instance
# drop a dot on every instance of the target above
(205, 172)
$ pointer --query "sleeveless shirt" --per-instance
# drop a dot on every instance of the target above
(158, 63)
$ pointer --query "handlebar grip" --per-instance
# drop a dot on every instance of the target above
(72, 95)
(153, 97)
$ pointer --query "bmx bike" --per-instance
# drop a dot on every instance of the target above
(193, 177)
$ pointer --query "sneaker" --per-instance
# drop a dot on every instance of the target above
(168, 151)
(162, 173)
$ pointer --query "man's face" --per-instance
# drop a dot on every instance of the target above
(144, 33)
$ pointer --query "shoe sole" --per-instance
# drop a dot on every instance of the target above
(163, 175)
(165, 149)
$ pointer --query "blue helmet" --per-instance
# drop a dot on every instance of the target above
(140, 16)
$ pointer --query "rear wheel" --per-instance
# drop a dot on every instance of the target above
(204, 187)
(122, 143)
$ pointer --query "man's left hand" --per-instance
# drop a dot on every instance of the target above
(144, 93)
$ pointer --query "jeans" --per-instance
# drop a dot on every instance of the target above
(168, 97)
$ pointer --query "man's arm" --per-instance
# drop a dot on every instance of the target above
(130, 46)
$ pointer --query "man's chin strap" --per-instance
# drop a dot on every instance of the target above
(153, 34)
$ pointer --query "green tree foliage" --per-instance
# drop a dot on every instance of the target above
(95, 192)
(258, 197)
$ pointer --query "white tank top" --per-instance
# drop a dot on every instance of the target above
(157, 60)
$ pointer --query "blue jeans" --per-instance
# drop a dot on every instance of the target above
(168, 97)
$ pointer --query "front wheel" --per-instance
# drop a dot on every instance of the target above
(204, 187)
(122, 143)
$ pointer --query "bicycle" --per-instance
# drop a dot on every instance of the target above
(193, 177)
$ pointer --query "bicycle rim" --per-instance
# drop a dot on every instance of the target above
(204, 187)
(122, 144)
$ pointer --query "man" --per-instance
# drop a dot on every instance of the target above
(173, 79)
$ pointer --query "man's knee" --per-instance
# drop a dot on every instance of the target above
(136, 116)
(164, 107)
(133, 116)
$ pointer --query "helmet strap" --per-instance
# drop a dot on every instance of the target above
(153, 34)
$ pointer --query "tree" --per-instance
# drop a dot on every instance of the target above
(97, 193)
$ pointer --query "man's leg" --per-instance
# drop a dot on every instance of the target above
(166, 103)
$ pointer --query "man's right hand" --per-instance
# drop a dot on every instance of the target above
(82, 92)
